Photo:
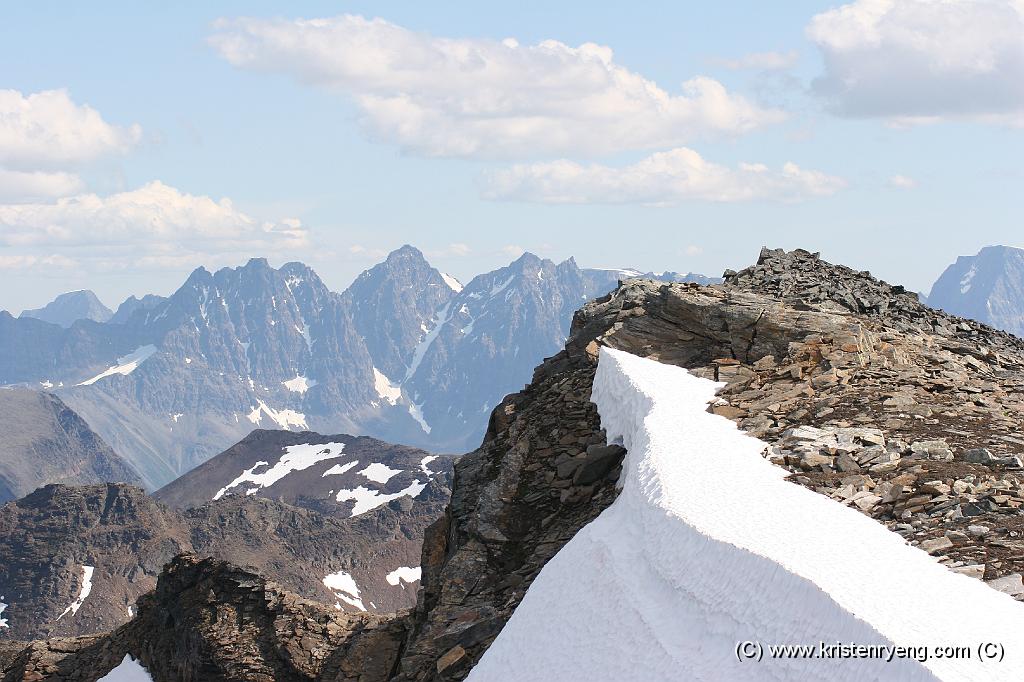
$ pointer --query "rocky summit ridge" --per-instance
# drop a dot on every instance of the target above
(864, 394)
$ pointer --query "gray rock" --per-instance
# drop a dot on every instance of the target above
(600, 460)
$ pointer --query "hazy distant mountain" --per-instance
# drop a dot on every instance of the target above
(405, 354)
(988, 287)
(68, 308)
(131, 304)
(43, 441)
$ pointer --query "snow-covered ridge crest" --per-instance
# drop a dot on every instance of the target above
(708, 546)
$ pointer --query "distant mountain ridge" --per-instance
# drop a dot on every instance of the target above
(987, 287)
(45, 441)
(68, 308)
(406, 354)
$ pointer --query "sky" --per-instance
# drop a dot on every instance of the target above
(139, 141)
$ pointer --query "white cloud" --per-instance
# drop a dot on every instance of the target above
(923, 60)
(33, 185)
(761, 61)
(693, 250)
(47, 129)
(153, 218)
(513, 250)
(485, 98)
(459, 249)
(660, 179)
(25, 262)
(902, 182)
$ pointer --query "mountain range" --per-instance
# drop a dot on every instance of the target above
(697, 464)
(988, 287)
(406, 354)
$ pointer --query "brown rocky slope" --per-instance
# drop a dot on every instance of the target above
(906, 413)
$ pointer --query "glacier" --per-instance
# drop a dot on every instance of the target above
(708, 547)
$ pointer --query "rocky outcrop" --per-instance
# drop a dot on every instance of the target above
(44, 441)
(124, 538)
(209, 620)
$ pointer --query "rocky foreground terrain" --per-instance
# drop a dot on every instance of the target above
(126, 538)
(908, 414)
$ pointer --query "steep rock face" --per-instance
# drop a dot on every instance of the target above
(499, 326)
(988, 287)
(44, 441)
(50, 536)
(392, 303)
(209, 620)
(68, 308)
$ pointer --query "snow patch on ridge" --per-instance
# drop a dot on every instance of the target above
(424, 462)
(386, 389)
(416, 412)
(84, 592)
(344, 587)
(965, 283)
(339, 469)
(128, 670)
(428, 338)
(691, 562)
(453, 283)
(295, 458)
(403, 575)
(366, 499)
(125, 365)
(379, 473)
(299, 384)
(3, 607)
(283, 418)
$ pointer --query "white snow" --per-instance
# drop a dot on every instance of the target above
(345, 589)
(386, 389)
(128, 670)
(3, 607)
(416, 412)
(188, 361)
(304, 331)
(366, 499)
(125, 365)
(299, 384)
(82, 593)
(379, 473)
(424, 345)
(708, 546)
(176, 416)
(46, 384)
(294, 458)
(283, 418)
(339, 469)
(425, 461)
(245, 346)
(965, 283)
(403, 574)
(455, 284)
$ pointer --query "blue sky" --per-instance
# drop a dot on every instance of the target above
(905, 151)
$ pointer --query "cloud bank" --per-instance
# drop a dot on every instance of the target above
(481, 98)
(923, 60)
(663, 178)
